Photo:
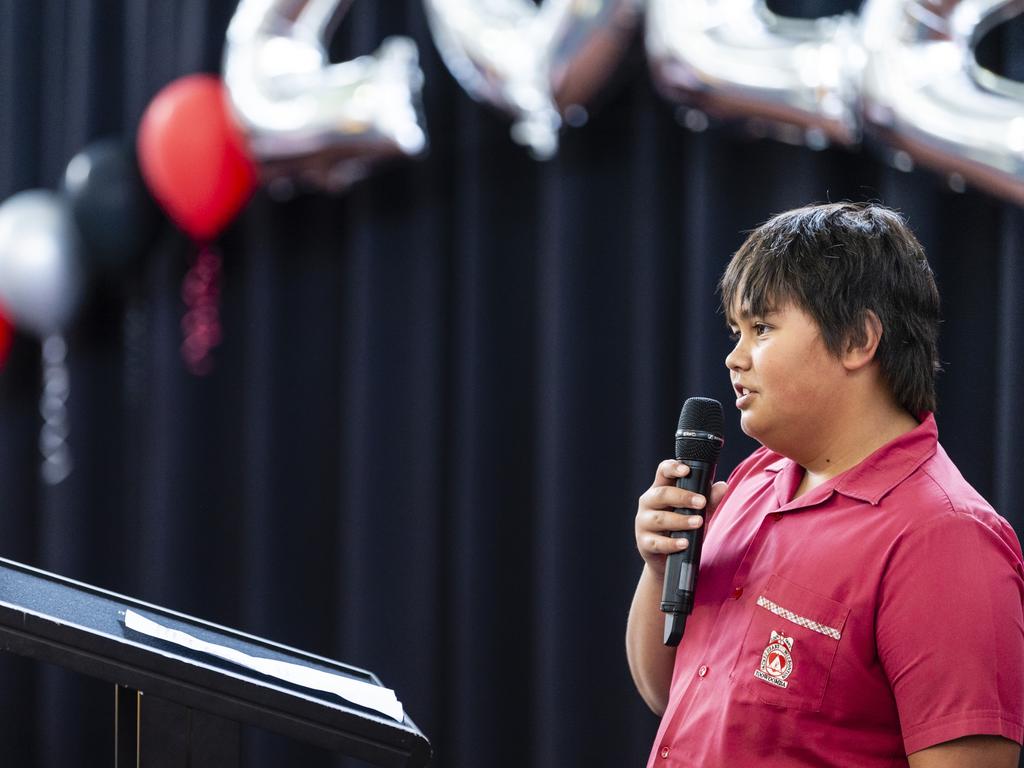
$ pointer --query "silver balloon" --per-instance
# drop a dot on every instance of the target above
(796, 79)
(542, 65)
(42, 281)
(308, 121)
(928, 99)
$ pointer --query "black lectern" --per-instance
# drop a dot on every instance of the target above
(177, 706)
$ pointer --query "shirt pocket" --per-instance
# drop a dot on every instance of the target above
(790, 645)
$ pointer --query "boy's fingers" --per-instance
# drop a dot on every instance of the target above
(669, 471)
(666, 520)
(664, 545)
(670, 497)
(717, 492)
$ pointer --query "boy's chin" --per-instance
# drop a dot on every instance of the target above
(751, 428)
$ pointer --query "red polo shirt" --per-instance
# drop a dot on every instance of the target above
(876, 615)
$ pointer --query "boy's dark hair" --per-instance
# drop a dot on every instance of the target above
(836, 262)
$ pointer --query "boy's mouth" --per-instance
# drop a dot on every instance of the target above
(743, 395)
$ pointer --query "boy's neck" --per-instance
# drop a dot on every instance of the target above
(861, 436)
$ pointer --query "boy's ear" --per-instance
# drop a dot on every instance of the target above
(861, 351)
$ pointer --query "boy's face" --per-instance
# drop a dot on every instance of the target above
(786, 380)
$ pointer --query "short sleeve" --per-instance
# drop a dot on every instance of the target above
(950, 630)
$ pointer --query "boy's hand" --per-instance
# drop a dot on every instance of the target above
(655, 516)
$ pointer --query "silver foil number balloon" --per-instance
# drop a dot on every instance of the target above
(42, 280)
(540, 64)
(928, 99)
(310, 122)
(735, 60)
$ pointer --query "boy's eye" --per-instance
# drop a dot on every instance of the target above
(760, 328)
(734, 335)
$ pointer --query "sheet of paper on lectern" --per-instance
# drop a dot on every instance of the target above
(374, 697)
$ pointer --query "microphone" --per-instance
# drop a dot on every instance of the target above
(698, 442)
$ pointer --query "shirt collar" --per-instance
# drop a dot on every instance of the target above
(891, 464)
(870, 480)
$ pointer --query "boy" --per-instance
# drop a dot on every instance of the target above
(858, 604)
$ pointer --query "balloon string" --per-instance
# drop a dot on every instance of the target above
(53, 444)
(200, 325)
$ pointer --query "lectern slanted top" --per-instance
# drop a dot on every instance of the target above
(58, 620)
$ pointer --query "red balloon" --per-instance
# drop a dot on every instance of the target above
(193, 156)
(6, 336)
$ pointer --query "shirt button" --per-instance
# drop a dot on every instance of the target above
(703, 670)
(737, 593)
(664, 753)
(776, 516)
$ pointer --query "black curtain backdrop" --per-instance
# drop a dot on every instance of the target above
(439, 395)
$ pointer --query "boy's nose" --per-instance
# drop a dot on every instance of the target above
(737, 359)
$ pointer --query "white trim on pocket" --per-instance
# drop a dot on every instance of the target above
(778, 610)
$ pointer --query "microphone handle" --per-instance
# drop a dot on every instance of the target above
(681, 567)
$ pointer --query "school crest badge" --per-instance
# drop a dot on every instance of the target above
(776, 661)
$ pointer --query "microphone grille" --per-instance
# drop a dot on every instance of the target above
(703, 415)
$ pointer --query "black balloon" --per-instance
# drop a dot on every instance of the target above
(112, 208)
